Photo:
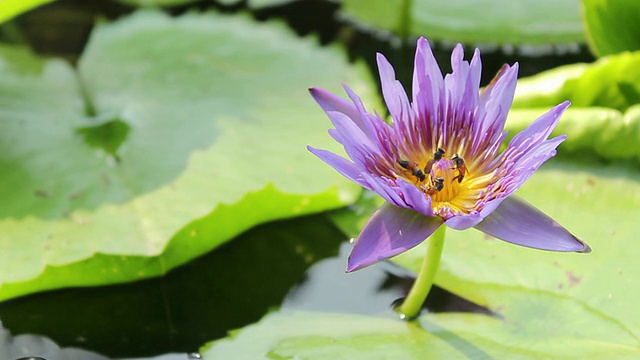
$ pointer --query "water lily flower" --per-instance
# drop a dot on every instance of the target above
(438, 162)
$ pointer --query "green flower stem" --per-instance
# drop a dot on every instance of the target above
(412, 304)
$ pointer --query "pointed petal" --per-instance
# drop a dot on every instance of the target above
(391, 230)
(330, 102)
(428, 84)
(394, 95)
(342, 165)
(519, 222)
(356, 143)
(496, 99)
(539, 130)
(527, 165)
(382, 187)
(373, 125)
(456, 82)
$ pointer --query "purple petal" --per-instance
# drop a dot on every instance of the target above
(519, 222)
(415, 198)
(456, 82)
(390, 231)
(539, 130)
(428, 83)
(373, 125)
(527, 165)
(384, 189)
(342, 165)
(392, 91)
(356, 143)
(496, 100)
(463, 222)
(330, 102)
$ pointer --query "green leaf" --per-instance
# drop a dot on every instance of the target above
(604, 118)
(549, 328)
(193, 130)
(612, 26)
(156, 3)
(545, 89)
(606, 133)
(530, 22)
(244, 280)
(12, 8)
(598, 203)
(251, 4)
(611, 82)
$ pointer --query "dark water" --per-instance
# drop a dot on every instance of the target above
(297, 264)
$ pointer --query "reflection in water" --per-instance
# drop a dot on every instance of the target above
(290, 263)
(372, 291)
(35, 347)
(232, 286)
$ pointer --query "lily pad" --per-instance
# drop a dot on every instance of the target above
(174, 136)
(586, 199)
(606, 133)
(530, 22)
(612, 26)
(177, 313)
(12, 8)
(566, 331)
(611, 82)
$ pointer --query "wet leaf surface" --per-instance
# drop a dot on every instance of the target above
(131, 167)
(528, 22)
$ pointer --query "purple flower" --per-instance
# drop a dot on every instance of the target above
(439, 161)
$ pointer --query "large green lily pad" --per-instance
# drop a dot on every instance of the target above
(530, 22)
(174, 136)
(550, 328)
(612, 26)
(604, 118)
(230, 287)
(611, 82)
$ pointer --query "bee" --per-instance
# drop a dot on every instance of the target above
(414, 168)
(438, 185)
(460, 166)
(436, 156)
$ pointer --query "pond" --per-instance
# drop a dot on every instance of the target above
(160, 201)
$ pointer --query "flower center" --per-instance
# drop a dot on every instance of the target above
(446, 181)
(439, 179)
(445, 171)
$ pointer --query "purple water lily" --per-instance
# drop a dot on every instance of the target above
(439, 161)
